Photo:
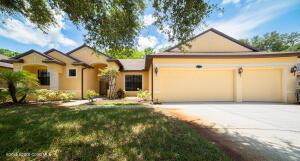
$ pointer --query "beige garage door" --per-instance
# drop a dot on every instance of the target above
(262, 85)
(194, 85)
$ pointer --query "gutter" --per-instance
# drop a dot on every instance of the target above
(152, 97)
(82, 71)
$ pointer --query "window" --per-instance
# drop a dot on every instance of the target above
(44, 77)
(133, 82)
(72, 72)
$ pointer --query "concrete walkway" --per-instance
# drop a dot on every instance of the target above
(270, 130)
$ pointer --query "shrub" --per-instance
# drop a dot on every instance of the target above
(53, 95)
(143, 94)
(66, 96)
(120, 93)
(90, 94)
(4, 96)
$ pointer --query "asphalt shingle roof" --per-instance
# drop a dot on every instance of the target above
(133, 64)
(6, 65)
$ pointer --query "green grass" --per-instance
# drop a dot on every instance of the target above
(100, 134)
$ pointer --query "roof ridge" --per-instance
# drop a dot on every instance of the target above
(68, 56)
(219, 33)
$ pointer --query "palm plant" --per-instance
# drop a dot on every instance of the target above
(110, 75)
(19, 83)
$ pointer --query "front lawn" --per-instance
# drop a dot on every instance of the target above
(49, 133)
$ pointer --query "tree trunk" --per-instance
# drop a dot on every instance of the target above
(23, 98)
(12, 91)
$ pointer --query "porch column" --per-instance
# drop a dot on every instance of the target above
(54, 81)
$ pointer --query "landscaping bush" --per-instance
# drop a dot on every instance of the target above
(53, 95)
(144, 95)
(120, 93)
(66, 96)
(90, 94)
(43, 95)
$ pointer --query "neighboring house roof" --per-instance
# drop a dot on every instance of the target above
(133, 64)
(5, 65)
(219, 33)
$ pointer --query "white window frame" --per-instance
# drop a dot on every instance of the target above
(124, 86)
(68, 70)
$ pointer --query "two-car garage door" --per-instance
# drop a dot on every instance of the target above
(218, 85)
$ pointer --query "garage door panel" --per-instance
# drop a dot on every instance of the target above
(195, 85)
(262, 85)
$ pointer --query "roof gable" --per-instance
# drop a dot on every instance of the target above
(213, 40)
(48, 59)
(88, 55)
(51, 51)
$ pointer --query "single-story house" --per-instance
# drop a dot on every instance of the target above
(4, 66)
(215, 67)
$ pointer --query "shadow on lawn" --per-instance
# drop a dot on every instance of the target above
(100, 134)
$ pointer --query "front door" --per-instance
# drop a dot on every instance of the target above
(103, 87)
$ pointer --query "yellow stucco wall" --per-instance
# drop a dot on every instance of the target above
(121, 81)
(212, 42)
(265, 79)
(89, 56)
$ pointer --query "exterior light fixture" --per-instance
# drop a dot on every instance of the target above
(198, 66)
(156, 70)
(240, 71)
(294, 70)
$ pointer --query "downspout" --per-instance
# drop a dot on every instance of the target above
(152, 97)
(82, 82)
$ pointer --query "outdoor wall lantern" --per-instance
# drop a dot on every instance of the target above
(294, 70)
(240, 71)
(155, 70)
(198, 66)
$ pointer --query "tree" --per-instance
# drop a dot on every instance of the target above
(148, 51)
(125, 53)
(274, 41)
(8, 53)
(114, 24)
(19, 83)
(110, 75)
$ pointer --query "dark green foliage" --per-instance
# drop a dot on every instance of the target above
(125, 53)
(19, 83)
(114, 24)
(181, 17)
(8, 53)
(129, 53)
(100, 134)
(120, 93)
(148, 51)
(275, 41)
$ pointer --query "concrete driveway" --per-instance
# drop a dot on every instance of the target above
(270, 130)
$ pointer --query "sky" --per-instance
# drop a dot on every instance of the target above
(239, 19)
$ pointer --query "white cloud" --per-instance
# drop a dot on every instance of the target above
(148, 20)
(230, 1)
(145, 42)
(25, 32)
(253, 15)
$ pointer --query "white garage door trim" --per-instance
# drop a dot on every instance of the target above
(238, 82)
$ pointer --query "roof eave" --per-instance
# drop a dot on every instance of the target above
(11, 61)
